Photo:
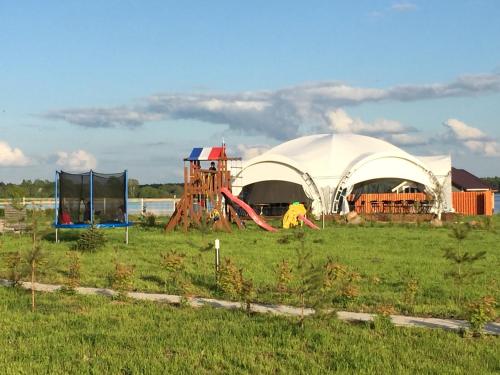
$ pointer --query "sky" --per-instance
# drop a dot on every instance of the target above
(114, 85)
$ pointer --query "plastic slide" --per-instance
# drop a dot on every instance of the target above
(307, 222)
(258, 220)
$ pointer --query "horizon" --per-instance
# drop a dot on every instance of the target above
(136, 86)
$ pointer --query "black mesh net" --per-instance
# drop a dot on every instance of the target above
(109, 198)
(74, 198)
(109, 201)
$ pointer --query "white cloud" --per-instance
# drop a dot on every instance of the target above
(249, 152)
(485, 148)
(341, 122)
(76, 161)
(461, 131)
(473, 139)
(280, 114)
(403, 7)
(407, 139)
(390, 130)
(12, 157)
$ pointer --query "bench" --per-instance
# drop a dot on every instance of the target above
(16, 219)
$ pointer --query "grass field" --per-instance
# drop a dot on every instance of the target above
(95, 335)
(386, 256)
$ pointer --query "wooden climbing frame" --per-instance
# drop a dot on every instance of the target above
(202, 199)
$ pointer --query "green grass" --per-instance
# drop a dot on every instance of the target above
(96, 335)
(390, 252)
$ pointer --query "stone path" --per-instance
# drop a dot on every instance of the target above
(398, 320)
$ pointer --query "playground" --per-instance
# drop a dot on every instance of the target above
(208, 198)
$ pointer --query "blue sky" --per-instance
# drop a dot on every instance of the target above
(135, 85)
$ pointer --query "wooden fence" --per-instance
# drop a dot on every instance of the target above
(473, 202)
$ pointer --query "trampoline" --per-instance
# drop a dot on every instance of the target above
(91, 199)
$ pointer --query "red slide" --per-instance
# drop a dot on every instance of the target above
(258, 220)
(308, 222)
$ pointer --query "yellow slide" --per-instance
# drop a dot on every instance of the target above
(291, 218)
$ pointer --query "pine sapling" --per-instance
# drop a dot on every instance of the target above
(35, 257)
(74, 268)
(122, 278)
(284, 277)
(173, 262)
(461, 260)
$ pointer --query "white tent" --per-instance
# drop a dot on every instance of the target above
(328, 166)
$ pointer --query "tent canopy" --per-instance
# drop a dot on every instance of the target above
(329, 165)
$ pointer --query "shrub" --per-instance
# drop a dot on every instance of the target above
(121, 280)
(14, 263)
(173, 262)
(230, 278)
(231, 281)
(73, 270)
(284, 273)
(90, 240)
(481, 312)
(339, 282)
(410, 292)
(148, 220)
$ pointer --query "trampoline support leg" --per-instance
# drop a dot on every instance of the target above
(57, 235)
(126, 235)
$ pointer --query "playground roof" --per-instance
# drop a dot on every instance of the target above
(205, 153)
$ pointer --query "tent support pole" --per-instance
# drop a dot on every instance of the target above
(126, 235)
(57, 235)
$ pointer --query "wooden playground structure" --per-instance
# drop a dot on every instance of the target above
(205, 198)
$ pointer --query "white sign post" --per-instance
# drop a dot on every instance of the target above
(217, 260)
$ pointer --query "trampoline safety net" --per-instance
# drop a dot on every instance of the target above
(109, 201)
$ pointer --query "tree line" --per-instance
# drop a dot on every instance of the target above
(45, 189)
(493, 182)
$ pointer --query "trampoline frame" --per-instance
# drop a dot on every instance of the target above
(126, 224)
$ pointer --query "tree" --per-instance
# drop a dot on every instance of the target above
(133, 187)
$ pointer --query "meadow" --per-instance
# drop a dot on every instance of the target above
(389, 261)
(69, 333)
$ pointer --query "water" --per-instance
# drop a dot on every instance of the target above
(165, 207)
(497, 203)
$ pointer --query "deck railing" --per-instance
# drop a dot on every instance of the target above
(464, 203)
